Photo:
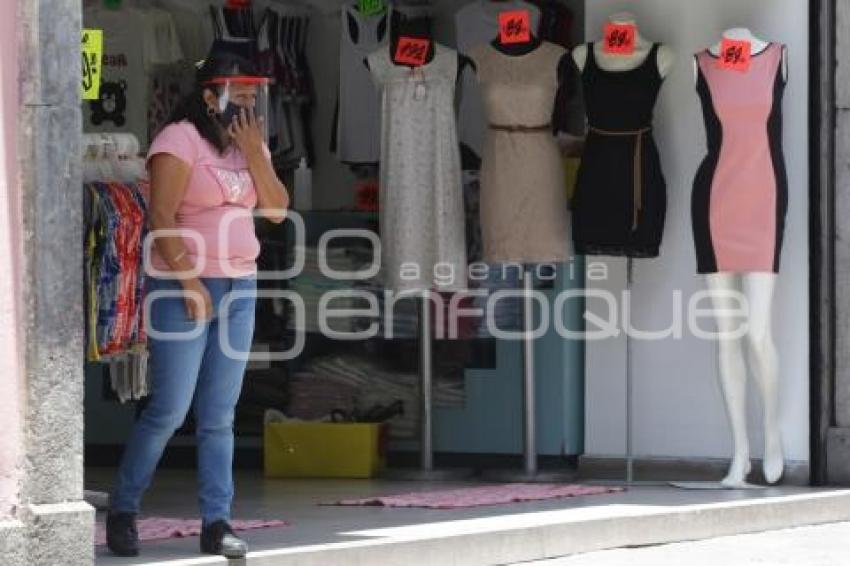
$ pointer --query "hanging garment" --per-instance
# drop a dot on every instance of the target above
(556, 26)
(476, 24)
(421, 199)
(135, 43)
(472, 209)
(168, 74)
(234, 31)
(621, 196)
(116, 217)
(168, 87)
(298, 93)
(233, 23)
(740, 195)
(194, 28)
(358, 123)
(556, 22)
(270, 65)
(305, 93)
(524, 214)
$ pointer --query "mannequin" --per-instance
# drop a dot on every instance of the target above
(519, 84)
(417, 98)
(620, 200)
(744, 34)
(419, 28)
(758, 288)
(518, 49)
(524, 216)
(618, 62)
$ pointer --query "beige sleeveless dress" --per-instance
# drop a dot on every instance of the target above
(524, 215)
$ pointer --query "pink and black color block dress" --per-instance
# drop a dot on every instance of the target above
(740, 194)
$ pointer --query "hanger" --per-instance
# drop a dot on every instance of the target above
(112, 157)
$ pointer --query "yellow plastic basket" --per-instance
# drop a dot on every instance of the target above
(324, 450)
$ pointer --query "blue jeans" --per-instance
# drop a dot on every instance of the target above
(198, 365)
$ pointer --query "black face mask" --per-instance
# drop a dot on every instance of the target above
(230, 112)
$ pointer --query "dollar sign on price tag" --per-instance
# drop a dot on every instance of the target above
(620, 39)
(735, 55)
(371, 7)
(92, 55)
(514, 27)
(412, 51)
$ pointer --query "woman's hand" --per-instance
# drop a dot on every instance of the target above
(198, 300)
(247, 133)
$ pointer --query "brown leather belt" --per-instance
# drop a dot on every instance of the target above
(520, 129)
(637, 206)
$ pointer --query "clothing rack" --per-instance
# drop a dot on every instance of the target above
(111, 157)
(116, 223)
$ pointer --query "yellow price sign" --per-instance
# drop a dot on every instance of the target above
(92, 51)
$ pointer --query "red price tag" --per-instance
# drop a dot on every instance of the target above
(515, 27)
(620, 39)
(412, 51)
(735, 55)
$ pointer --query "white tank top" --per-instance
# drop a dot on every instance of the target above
(359, 122)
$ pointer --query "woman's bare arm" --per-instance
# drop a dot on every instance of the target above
(169, 178)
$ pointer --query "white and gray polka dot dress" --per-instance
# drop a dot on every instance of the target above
(421, 198)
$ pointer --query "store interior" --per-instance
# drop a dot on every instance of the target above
(477, 378)
(587, 425)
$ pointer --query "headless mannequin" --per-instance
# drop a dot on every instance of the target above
(622, 63)
(743, 34)
(517, 49)
(758, 288)
(419, 28)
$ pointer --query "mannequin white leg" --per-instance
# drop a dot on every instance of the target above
(733, 377)
(764, 363)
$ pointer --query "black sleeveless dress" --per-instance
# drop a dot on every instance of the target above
(621, 197)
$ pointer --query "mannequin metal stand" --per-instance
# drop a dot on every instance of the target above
(530, 472)
(630, 457)
(426, 470)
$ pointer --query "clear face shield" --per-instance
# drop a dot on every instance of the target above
(250, 94)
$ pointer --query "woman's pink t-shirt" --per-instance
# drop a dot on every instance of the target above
(216, 212)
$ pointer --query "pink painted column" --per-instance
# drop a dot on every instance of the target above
(11, 251)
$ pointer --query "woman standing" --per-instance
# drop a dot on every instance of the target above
(209, 168)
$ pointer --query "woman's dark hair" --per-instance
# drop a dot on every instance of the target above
(219, 63)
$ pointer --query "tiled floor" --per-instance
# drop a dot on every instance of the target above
(297, 501)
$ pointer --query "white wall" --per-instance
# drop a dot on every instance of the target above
(678, 406)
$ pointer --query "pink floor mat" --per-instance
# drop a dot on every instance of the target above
(478, 496)
(162, 528)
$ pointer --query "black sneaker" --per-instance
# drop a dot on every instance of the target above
(218, 538)
(122, 538)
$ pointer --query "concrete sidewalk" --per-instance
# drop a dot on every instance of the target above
(824, 545)
(339, 536)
